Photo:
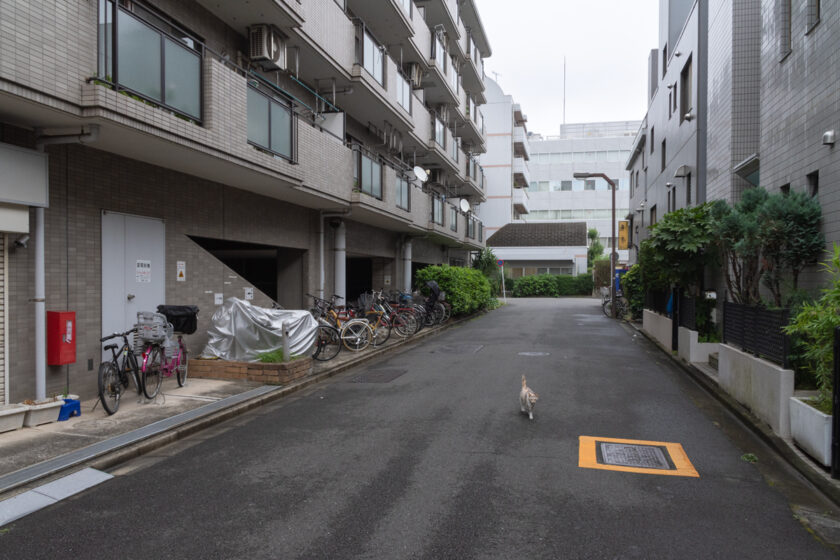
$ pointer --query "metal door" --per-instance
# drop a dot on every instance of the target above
(133, 261)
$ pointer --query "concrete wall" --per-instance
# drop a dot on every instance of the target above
(691, 350)
(761, 386)
(658, 326)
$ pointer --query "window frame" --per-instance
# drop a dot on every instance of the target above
(286, 105)
(361, 161)
(403, 192)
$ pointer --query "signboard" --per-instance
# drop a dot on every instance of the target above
(249, 293)
(143, 271)
(500, 262)
(623, 234)
(182, 271)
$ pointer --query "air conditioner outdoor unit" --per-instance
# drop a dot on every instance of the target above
(436, 176)
(443, 112)
(268, 46)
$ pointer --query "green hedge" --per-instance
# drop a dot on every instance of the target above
(467, 289)
(550, 285)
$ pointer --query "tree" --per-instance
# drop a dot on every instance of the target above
(790, 238)
(595, 250)
(737, 238)
(485, 261)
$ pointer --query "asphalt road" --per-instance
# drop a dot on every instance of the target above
(439, 463)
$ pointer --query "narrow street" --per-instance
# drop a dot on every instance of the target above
(424, 454)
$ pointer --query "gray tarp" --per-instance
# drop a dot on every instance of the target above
(241, 331)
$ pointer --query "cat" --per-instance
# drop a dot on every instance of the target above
(527, 399)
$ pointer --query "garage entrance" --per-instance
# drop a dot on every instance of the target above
(359, 277)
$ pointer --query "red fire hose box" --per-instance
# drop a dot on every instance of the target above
(61, 337)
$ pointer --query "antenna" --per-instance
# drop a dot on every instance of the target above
(495, 76)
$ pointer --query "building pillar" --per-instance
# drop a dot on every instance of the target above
(341, 262)
(407, 265)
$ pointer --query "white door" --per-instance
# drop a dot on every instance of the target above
(133, 268)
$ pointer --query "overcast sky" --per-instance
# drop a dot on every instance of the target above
(606, 44)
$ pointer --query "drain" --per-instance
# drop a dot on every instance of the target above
(638, 456)
(378, 376)
(534, 353)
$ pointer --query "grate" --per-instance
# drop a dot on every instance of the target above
(639, 456)
(378, 376)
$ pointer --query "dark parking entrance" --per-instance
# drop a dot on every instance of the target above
(359, 277)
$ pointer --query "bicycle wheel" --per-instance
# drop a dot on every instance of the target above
(440, 313)
(607, 307)
(327, 343)
(382, 332)
(356, 335)
(447, 311)
(152, 377)
(183, 365)
(405, 324)
(110, 387)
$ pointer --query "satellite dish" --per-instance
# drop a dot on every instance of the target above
(465, 205)
(421, 174)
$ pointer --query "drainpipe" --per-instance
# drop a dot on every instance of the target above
(40, 293)
(321, 234)
(407, 265)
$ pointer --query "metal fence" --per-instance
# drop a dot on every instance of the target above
(657, 301)
(687, 312)
(757, 330)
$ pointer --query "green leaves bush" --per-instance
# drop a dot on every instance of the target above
(467, 289)
(549, 285)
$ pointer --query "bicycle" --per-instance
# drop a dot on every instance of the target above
(163, 356)
(356, 334)
(376, 316)
(621, 306)
(114, 376)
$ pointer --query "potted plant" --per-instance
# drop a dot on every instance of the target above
(42, 411)
(810, 417)
(11, 416)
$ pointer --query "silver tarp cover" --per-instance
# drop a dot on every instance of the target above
(240, 331)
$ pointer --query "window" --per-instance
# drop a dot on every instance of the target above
(403, 193)
(813, 183)
(785, 189)
(371, 180)
(675, 96)
(453, 76)
(438, 53)
(652, 140)
(663, 155)
(813, 14)
(653, 214)
(161, 63)
(404, 92)
(437, 210)
(269, 123)
(664, 59)
(453, 218)
(373, 58)
(783, 17)
(565, 185)
(440, 133)
(688, 190)
(631, 184)
(589, 185)
(685, 90)
(406, 6)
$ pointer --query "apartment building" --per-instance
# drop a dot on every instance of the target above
(555, 195)
(699, 140)
(187, 151)
(505, 163)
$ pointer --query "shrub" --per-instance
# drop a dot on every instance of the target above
(467, 289)
(602, 273)
(549, 285)
(631, 285)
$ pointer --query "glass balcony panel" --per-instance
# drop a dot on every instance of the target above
(182, 78)
(281, 130)
(139, 56)
(257, 118)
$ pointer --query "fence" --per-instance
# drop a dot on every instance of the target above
(757, 330)
(687, 312)
(657, 301)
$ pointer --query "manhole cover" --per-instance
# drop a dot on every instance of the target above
(378, 376)
(457, 349)
(534, 353)
(639, 456)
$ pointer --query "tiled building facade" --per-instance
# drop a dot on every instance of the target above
(287, 169)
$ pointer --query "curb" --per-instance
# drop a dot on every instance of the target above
(112, 458)
(782, 447)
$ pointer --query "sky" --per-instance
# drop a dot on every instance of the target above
(606, 44)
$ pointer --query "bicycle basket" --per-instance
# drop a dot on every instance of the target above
(183, 317)
(152, 327)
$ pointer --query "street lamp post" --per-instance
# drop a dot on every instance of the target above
(613, 254)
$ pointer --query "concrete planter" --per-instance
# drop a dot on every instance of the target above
(11, 416)
(43, 412)
(811, 430)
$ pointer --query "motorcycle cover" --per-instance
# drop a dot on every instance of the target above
(240, 332)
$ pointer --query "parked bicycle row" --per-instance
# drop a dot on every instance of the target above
(374, 318)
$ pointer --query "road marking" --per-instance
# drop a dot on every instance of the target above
(636, 456)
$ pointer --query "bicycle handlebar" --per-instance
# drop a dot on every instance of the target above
(116, 334)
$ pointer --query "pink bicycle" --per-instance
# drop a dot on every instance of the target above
(165, 353)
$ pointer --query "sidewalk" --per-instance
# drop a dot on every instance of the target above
(32, 456)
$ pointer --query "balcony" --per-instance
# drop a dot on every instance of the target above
(390, 20)
(384, 210)
(440, 151)
(521, 147)
(438, 88)
(521, 173)
(519, 118)
(473, 71)
(442, 12)
(520, 201)
(238, 15)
